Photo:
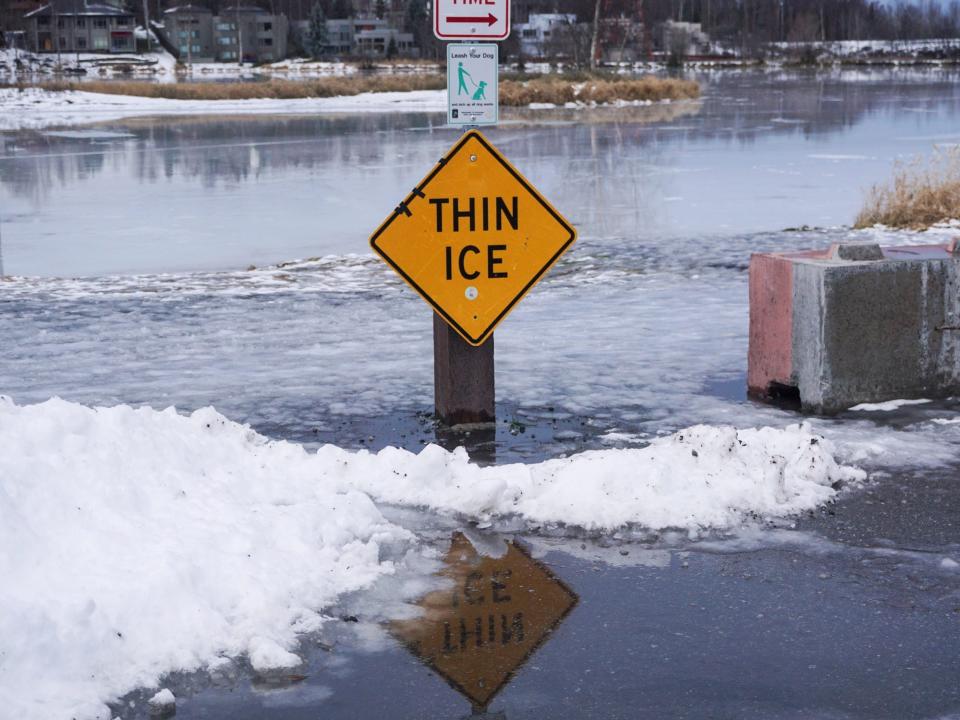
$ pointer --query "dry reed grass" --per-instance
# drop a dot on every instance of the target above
(269, 89)
(923, 192)
(560, 90)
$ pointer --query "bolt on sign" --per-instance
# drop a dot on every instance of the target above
(472, 71)
(477, 633)
(471, 19)
(473, 237)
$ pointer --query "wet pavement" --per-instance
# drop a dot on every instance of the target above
(806, 622)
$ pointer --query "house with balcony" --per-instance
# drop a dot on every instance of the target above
(249, 34)
(372, 38)
(81, 26)
(540, 32)
(190, 29)
(237, 34)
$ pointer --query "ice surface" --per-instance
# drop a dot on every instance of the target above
(887, 406)
(35, 108)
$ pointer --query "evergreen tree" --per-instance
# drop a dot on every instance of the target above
(392, 48)
(417, 22)
(316, 39)
(341, 9)
(416, 16)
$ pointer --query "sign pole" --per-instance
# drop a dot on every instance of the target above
(463, 384)
(463, 374)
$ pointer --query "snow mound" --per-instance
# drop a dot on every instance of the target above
(134, 542)
(704, 476)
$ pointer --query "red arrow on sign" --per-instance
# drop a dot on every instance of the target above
(489, 19)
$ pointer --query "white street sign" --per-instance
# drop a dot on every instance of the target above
(472, 97)
(471, 19)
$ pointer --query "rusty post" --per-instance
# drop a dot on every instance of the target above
(463, 381)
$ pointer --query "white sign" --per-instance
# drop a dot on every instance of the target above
(472, 84)
(471, 19)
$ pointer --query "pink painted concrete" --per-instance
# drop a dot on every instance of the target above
(771, 321)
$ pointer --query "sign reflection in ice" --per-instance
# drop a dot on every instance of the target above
(479, 631)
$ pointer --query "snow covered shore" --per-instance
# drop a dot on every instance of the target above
(34, 108)
(134, 542)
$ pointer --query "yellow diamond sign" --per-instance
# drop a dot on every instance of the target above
(473, 237)
(493, 617)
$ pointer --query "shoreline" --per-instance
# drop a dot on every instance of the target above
(38, 109)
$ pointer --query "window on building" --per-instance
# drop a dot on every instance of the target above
(123, 21)
(82, 43)
(529, 33)
(121, 42)
(100, 43)
(63, 42)
(81, 23)
(195, 34)
(100, 22)
(184, 49)
(43, 20)
(60, 22)
(268, 26)
(224, 26)
(266, 42)
(226, 40)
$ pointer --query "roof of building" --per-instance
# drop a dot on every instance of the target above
(227, 11)
(86, 9)
(188, 10)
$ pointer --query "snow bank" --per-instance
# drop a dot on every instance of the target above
(35, 108)
(133, 542)
(704, 476)
(136, 541)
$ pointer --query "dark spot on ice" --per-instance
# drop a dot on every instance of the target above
(350, 618)
(695, 453)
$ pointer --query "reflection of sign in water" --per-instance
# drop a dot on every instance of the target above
(473, 237)
(499, 611)
(472, 84)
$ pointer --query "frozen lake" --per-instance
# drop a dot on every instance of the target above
(224, 193)
(223, 261)
(641, 329)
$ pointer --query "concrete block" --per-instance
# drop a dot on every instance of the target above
(855, 323)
